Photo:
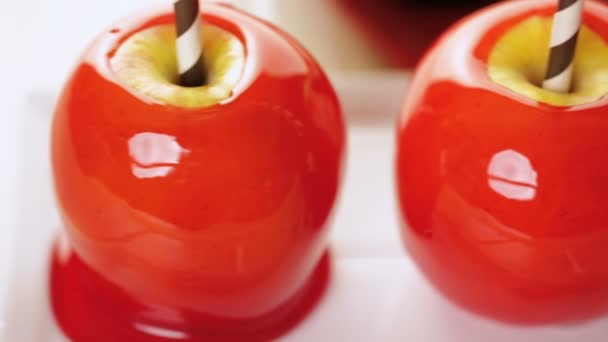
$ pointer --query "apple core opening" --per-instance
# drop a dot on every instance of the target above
(147, 64)
(518, 61)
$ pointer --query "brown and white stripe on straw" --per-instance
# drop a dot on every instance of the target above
(566, 25)
(189, 43)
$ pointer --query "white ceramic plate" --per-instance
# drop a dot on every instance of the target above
(376, 293)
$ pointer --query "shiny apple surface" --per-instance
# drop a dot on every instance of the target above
(194, 219)
(505, 197)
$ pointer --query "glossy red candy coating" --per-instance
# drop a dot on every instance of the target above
(506, 198)
(194, 215)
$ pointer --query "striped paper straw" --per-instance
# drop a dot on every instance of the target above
(566, 25)
(189, 43)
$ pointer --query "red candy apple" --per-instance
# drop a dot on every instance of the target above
(502, 183)
(193, 212)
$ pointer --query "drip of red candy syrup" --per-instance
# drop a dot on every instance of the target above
(92, 309)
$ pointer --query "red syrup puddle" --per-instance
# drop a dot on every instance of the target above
(88, 308)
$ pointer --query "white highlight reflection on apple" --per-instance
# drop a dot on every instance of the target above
(161, 332)
(154, 155)
(512, 175)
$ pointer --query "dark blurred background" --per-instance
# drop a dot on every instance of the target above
(401, 30)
